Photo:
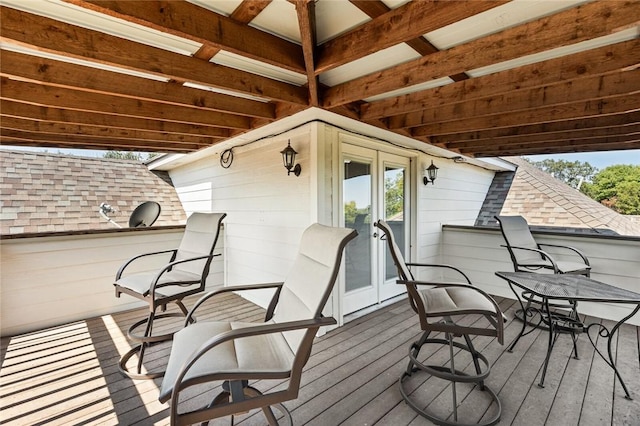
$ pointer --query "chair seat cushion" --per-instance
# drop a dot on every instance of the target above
(232, 359)
(567, 267)
(451, 300)
(140, 283)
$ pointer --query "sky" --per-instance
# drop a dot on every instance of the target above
(599, 160)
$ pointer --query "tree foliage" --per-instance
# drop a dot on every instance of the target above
(617, 187)
(129, 155)
(570, 172)
(394, 195)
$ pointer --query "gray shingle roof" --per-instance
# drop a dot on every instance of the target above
(43, 192)
(548, 202)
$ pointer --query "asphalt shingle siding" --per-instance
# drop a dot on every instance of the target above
(42, 192)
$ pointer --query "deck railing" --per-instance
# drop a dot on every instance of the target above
(53, 279)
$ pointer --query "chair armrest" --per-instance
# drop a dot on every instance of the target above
(128, 262)
(243, 287)
(575, 250)
(257, 330)
(544, 254)
(500, 317)
(437, 265)
(167, 267)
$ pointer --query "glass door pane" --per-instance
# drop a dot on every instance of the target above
(394, 213)
(357, 198)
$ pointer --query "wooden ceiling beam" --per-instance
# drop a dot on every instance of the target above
(578, 65)
(406, 22)
(64, 74)
(306, 12)
(29, 125)
(375, 8)
(187, 20)
(551, 137)
(90, 101)
(584, 89)
(573, 145)
(106, 143)
(68, 40)
(612, 105)
(571, 26)
(244, 13)
(591, 123)
(60, 115)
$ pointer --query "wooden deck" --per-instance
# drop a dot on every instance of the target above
(67, 375)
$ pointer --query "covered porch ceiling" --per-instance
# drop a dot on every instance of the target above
(478, 78)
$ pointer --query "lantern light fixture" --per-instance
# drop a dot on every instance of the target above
(289, 159)
(430, 174)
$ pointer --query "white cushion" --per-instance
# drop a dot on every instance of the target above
(268, 351)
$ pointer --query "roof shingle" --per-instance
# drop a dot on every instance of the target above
(43, 192)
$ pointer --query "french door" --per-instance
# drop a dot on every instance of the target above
(375, 185)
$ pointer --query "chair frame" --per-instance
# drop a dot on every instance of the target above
(447, 326)
(528, 312)
(155, 301)
(543, 255)
(235, 386)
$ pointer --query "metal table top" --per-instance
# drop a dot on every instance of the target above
(570, 287)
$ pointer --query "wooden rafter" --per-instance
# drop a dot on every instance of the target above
(564, 69)
(404, 23)
(70, 40)
(192, 22)
(305, 10)
(100, 90)
(376, 8)
(593, 20)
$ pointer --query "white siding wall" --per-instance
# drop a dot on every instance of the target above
(478, 252)
(49, 281)
(267, 210)
(455, 198)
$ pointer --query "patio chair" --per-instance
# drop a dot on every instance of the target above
(235, 353)
(527, 256)
(440, 307)
(184, 275)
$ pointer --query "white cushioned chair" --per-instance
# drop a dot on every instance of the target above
(235, 353)
(184, 274)
(439, 304)
(527, 255)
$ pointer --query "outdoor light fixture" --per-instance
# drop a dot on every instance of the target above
(289, 158)
(431, 173)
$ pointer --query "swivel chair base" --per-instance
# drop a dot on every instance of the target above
(236, 391)
(449, 374)
(144, 341)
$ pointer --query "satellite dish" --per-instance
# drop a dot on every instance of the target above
(144, 215)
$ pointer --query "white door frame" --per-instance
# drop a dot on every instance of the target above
(379, 156)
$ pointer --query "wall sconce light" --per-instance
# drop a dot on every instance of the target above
(289, 158)
(430, 174)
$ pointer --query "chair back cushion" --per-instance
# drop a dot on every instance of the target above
(307, 287)
(516, 232)
(200, 237)
(403, 271)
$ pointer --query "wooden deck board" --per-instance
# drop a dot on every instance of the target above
(68, 375)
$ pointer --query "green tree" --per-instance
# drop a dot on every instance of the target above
(570, 172)
(350, 212)
(394, 195)
(617, 187)
(129, 155)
